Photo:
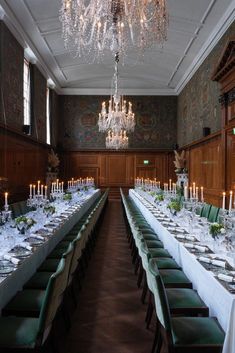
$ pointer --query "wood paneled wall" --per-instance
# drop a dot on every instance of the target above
(205, 167)
(118, 169)
(22, 161)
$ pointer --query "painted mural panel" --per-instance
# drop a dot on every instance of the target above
(198, 104)
(155, 122)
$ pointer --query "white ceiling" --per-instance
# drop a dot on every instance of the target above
(195, 27)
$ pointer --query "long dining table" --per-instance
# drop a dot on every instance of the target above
(26, 268)
(220, 301)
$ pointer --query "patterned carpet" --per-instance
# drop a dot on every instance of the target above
(109, 317)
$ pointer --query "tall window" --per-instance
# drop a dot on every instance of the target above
(27, 117)
(48, 117)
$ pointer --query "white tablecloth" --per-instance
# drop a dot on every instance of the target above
(221, 302)
(15, 281)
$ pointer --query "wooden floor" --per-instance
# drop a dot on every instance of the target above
(109, 317)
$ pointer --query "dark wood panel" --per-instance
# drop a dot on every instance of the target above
(22, 162)
(115, 169)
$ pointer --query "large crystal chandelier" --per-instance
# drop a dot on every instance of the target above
(117, 120)
(90, 27)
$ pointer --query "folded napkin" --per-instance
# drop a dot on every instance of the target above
(26, 246)
(14, 260)
(36, 236)
(219, 263)
(186, 237)
(226, 278)
(196, 247)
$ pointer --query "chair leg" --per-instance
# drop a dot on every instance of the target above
(149, 311)
(157, 343)
(140, 276)
(144, 292)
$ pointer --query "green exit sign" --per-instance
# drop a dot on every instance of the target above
(146, 161)
(233, 131)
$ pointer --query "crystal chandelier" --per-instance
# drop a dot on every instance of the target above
(117, 120)
(117, 140)
(90, 27)
(117, 117)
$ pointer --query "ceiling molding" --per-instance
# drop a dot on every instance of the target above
(211, 42)
(126, 92)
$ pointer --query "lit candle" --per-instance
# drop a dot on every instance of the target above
(6, 199)
(57, 184)
(30, 191)
(202, 196)
(197, 193)
(230, 200)
(62, 184)
(194, 189)
(38, 187)
(191, 192)
(170, 184)
(42, 189)
(223, 202)
(186, 193)
(45, 191)
(34, 190)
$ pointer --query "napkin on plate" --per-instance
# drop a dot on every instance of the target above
(226, 278)
(12, 259)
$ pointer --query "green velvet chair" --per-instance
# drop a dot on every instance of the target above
(25, 332)
(214, 213)
(29, 301)
(182, 301)
(182, 334)
(205, 211)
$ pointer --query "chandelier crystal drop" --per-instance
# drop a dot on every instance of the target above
(116, 140)
(117, 120)
(90, 27)
(117, 117)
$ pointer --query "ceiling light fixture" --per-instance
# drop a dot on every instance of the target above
(91, 27)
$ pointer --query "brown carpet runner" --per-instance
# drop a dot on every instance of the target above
(109, 317)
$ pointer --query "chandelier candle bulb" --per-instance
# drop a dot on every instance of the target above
(230, 200)
(223, 201)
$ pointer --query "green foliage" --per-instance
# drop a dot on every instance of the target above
(27, 221)
(216, 229)
(67, 196)
(174, 205)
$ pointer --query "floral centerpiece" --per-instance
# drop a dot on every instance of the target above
(215, 229)
(180, 162)
(159, 198)
(67, 196)
(24, 223)
(53, 161)
(174, 206)
(49, 210)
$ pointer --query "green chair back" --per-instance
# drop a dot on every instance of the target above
(16, 210)
(213, 215)
(76, 255)
(205, 210)
(161, 303)
(52, 300)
